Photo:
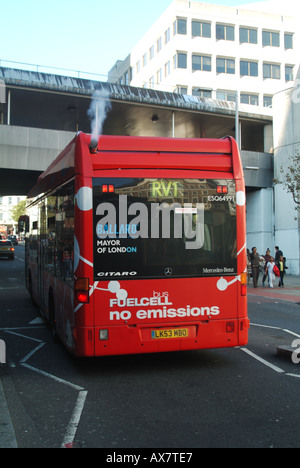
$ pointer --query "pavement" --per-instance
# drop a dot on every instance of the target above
(290, 293)
(7, 433)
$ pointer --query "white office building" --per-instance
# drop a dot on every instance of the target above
(287, 146)
(213, 51)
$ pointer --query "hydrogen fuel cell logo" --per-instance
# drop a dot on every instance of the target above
(2, 352)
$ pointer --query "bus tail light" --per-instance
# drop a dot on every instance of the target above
(244, 284)
(222, 189)
(229, 327)
(82, 290)
(108, 188)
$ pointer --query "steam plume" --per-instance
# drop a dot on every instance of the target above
(98, 110)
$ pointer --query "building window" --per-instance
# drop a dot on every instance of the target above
(151, 82)
(159, 45)
(226, 66)
(289, 73)
(224, 32)
(248, 68)
(138, 67)
(268, 101)
(180, 60)
(144, 60)
(167, 36)
(151, 52)
(180, 26)
(201, 62)
(204, 93)
(167, 69)
(271, 39)
(181, 90)
(159, 76)
(248, 36)
(288, 41)
(126, 78)
(200, 29)
(251, 99)
(271, 71)
(226, 95)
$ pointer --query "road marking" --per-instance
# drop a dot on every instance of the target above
(51, 376)
(79, 406)
(29, 355)
(21, 259)
(37, 321)
(263, 361)
(75, 420)
(291, 333)
(265, 326)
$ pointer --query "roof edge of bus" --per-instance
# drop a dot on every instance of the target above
(131, 143)
(47, 172)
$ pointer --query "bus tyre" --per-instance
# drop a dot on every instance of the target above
(52, 318)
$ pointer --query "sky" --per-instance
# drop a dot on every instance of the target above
(88, 35)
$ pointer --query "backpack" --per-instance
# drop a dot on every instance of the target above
(276, 271)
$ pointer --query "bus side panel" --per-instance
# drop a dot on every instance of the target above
(242, 260)
(83, 267)
(33, 278)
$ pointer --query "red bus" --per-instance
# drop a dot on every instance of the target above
(138, 245)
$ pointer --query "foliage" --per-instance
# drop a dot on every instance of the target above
(18, 210)
(291, 175)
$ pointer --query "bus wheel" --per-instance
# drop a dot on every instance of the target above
(52, 318)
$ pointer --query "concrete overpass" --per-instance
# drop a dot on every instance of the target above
(41, 112)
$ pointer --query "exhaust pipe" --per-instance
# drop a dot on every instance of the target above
(94, 145)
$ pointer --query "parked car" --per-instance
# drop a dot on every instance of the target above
(7, 249)
(13, 239)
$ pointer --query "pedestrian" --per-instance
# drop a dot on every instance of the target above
(278, 254)
(255, 263)
(282, 267)
(267, 259)
(270, 271)
(248, 265)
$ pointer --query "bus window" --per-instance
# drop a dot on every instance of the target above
(150, 225)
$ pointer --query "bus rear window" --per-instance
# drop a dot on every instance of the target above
(164, 228)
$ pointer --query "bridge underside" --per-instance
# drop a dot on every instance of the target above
(41, 114)
(17, 182)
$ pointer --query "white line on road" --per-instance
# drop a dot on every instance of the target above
(51, 376)
(263, 361)
(75, 419)
(77, 412)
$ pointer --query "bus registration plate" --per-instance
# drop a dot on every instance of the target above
(169, 333)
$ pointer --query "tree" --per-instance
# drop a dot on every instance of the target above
(291, 179)
(18, 210)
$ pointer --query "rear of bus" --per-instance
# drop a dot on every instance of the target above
(160, 246)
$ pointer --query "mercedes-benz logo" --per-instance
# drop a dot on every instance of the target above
(168, 271)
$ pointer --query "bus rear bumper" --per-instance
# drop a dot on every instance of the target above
(131, 339)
